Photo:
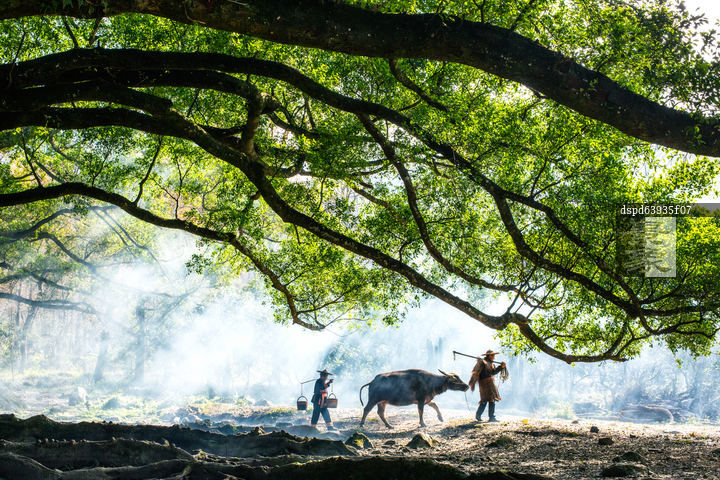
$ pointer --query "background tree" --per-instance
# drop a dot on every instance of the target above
(359, 157)
(92, 267)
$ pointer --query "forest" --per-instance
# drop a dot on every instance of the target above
(204, 202)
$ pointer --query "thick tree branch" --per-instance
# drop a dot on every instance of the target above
(51, 304)
(610, 354)
(354, 30)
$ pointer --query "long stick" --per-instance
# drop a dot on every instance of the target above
(471, 356)
(303, 383)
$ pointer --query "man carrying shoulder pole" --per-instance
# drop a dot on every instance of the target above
(319, 400)
(483, 376)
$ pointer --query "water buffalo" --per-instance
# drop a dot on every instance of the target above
(406, 387)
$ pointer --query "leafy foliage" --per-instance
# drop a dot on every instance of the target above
(356, 184)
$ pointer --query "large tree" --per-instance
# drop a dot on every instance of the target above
(359, 156)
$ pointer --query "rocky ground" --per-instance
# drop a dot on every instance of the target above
(225, 437)
(560, 449)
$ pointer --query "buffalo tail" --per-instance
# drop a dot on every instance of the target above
(360, 394)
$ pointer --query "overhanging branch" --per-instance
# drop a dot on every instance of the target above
(359, 31)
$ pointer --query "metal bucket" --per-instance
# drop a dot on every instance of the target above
(302, 404)
(332, 401)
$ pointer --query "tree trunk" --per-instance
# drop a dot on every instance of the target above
(430, 353)
(140, 349)
(24, 348)
(226, 377)
(102, 360)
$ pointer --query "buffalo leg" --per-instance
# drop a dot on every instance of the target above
(435, 407)
(366, 410)
(421, 405)
(381, 413)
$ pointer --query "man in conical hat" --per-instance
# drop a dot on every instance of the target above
(483, 376)
(319, 400)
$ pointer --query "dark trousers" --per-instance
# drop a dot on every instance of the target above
(316, 414)
(481, 409)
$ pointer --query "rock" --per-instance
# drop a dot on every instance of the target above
(79, 395)
(359, 440)
(594, 429)
(113, 419)
(303, 430)
(263, 403)
(389, 442)
(623, 470)
(227, 430)
(502, 441)
(422, 440)
(576, 421)
(45, 382)
(605, 441)
(629, 457)
(112, 404)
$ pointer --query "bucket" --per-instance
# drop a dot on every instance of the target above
(332, 401)
(302, 404)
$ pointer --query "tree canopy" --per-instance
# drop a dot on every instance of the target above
(361, 156)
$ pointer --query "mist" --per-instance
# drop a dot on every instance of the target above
(177, 337)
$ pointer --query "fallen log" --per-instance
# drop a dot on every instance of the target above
(644, 413)
(108, 453)
(17, 467)
(166, 470)
(255, 442)
(373, 468)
